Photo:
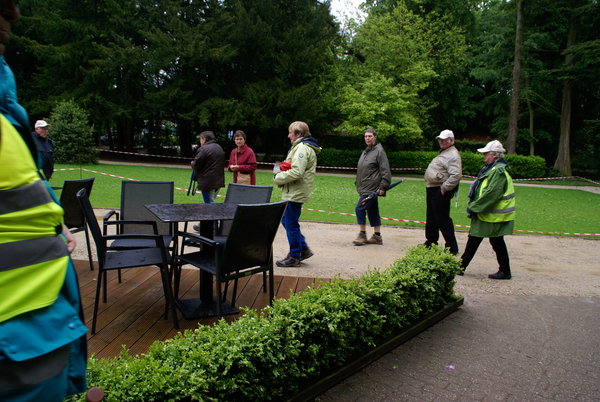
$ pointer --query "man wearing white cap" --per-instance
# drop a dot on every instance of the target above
(45, 147)
(491, 209)
(441, 181)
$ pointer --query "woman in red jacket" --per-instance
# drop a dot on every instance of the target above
(242, 161)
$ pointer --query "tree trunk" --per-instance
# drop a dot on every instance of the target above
(530, 107)
(563, 160)
(184, 130)
(514, 100)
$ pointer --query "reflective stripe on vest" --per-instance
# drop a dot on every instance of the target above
(504, 209)
(25, 197)
(33, 258)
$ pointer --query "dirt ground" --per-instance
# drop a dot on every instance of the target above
(541, 265)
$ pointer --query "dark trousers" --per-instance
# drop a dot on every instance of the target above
(370, 209)
(499, 247)
(438, 219)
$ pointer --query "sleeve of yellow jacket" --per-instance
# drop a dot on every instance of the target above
(298, 156)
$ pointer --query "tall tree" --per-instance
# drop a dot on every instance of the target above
(402, 53)
(516, 84)
(563, 160)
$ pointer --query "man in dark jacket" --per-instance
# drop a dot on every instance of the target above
(209, 164)
(45, 147)
(372, 175)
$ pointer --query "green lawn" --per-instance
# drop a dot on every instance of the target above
(538, 209)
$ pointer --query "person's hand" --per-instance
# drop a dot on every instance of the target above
(442, 190)
(470, 213)
(71, 243)
(235, 168)
(381, 192)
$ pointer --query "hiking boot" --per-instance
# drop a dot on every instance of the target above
(499, 275)
(288, 261)
(375, 240)
(361, 239)
(306, 254)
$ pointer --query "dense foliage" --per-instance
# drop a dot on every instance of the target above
(72, 135)
(523, 167)
(262, 357)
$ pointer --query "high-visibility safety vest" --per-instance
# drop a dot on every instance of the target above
(504, 209)
(33, 254)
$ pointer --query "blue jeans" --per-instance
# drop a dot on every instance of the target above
(371, 208)
(292, 228)
(209, 196)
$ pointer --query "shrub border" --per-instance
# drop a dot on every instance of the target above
(369, 355)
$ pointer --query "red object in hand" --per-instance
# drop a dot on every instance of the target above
(285, 166)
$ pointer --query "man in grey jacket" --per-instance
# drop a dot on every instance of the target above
(373, 174)
(441, 181)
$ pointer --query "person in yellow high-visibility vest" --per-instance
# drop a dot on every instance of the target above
(43, 347)
(491, 209)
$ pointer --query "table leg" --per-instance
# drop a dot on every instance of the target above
(206, 304)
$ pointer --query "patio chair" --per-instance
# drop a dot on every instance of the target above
(237, 194)
(248, 250)
(74, 218)
(134, 195)
(242, 194)
(130, 258)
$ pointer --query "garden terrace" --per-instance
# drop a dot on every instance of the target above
(133, 316)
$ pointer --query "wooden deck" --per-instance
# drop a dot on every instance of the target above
(134, 313)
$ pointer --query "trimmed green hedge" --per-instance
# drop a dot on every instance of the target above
(524, 167)
(260, 358)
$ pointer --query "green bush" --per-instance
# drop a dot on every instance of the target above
(524, 167)
(73, 141)
(262, 357)
(469, 146)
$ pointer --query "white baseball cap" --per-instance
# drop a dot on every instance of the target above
(492, 146)
(41, 124)
(445, 135)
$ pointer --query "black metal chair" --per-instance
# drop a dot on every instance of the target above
(242, 194)
(74, 217)
(134, 195)
(130, 258)
(236, 194)
(248, 250)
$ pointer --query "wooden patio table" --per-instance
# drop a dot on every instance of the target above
(206, 304)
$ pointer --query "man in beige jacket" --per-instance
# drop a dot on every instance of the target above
(441, 181)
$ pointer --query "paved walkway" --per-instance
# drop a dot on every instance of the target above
(494, 348)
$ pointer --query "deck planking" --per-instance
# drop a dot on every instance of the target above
(133, 316)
